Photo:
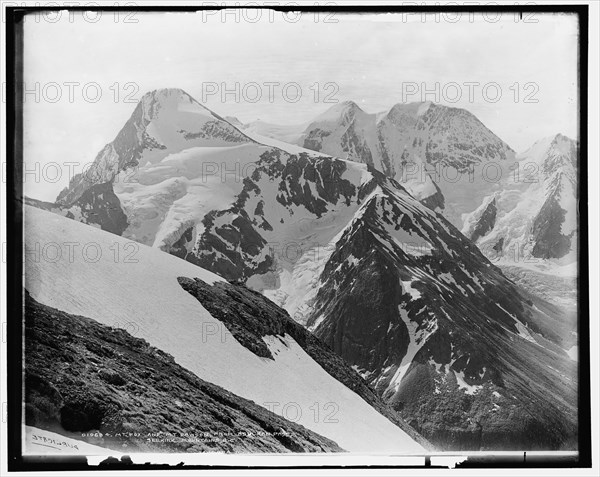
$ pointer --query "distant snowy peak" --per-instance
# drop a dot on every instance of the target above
(554, 228)
(416, 129)
(165, 121)
(177, 121)
(343, 112)
(432, 133)
(173, 104)
(344, 131)
(416, 144)
(553, 155)
(535, 216)
(558, 144)
(168, 98)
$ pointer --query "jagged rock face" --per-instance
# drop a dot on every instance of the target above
(235, 242)
(549, 242)
(360, 327)
(326, 175)
(536, 208)
(231, 245)
(435, 201)
(486, 221)
(99, 205)
(433, 150)
(83, 376)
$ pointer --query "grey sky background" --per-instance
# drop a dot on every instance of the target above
(370, 59)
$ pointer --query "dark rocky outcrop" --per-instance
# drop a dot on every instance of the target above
(232, 243)
(100, 205)
(435, 201)
(486, 221)
(96, 205)
(550, 242)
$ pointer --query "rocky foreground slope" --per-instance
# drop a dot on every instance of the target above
(101, 385)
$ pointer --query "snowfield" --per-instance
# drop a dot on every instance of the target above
(122, 283)
(163, 198)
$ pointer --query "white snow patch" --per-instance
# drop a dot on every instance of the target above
(462, 384)
(423, 108)
(414, 293)
(573, 353)
(417, 339)
(523, 330)
(352, 260)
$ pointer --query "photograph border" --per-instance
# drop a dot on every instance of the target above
(15, 273)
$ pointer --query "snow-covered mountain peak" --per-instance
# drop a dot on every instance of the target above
(173, 118)
(453, 120)
(164, 122)
(559, 137)
(534, 215)
(347, 105)
(407, 109)
(550, 145)
(552, 156)
(157, 102)
(343, 112)
(166, 94)
(427, 147)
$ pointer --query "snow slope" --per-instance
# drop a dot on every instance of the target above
(165, 197)
(144, 290)
(288, 133)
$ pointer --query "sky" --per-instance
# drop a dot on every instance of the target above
(84, 74)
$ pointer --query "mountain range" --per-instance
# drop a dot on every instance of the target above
(443, 156)
(367, 260)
